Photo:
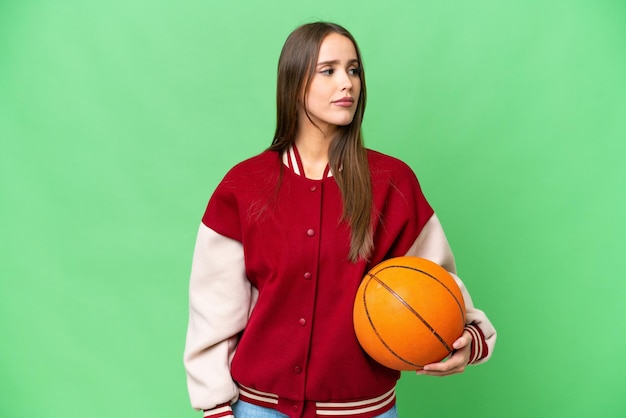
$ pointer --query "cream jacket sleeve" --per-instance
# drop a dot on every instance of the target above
(220, 301)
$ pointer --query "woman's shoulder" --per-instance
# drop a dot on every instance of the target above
(265, 162)
(393, 177)
(382, 163)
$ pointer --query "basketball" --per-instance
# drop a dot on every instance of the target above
(407, 313)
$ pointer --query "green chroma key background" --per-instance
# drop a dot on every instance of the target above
(118, 119)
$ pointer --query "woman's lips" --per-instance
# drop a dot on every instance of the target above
(344, 102)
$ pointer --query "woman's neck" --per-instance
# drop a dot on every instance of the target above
(313, 150)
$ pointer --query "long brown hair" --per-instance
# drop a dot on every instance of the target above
(347, 154)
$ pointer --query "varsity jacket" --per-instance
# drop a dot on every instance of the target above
(272, 289)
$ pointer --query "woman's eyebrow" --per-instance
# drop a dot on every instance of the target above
(335, 62)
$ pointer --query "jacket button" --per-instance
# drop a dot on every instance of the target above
(313, 188)
(297, 370)
(302, 321)
(307, 276)
(310, 232)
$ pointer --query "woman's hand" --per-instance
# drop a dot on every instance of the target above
(455, 363)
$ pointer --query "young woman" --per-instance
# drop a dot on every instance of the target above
(286, 239)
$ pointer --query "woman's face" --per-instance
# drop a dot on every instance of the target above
(335, 87)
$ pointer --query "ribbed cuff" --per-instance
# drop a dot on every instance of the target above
(479, 344)
(222, 410)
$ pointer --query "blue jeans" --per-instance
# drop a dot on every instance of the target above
(243, 409)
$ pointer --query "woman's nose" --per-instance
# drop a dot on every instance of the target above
(345, 81)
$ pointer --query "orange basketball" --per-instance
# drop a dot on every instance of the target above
(407, 313)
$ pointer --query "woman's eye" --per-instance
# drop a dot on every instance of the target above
(331, 71)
